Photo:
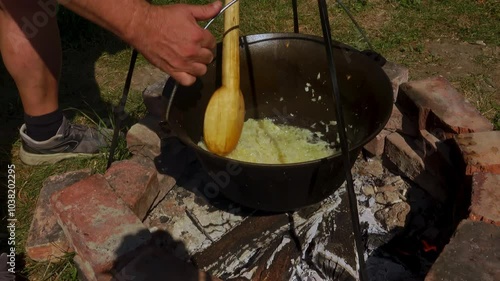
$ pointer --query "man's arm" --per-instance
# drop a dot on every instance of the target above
(115, 16)
(168, 36)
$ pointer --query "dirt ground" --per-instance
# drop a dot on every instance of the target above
(461, 60)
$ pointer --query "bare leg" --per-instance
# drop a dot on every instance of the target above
(31, 50)
(33, 59)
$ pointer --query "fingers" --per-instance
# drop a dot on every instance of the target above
(205, 56)
(208, 40)
(206, 12)
(183, 78)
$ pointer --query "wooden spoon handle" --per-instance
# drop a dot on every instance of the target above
(230, 47)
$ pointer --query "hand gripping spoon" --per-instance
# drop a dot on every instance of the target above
(225, 111)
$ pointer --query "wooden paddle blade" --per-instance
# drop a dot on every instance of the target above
(223, 122)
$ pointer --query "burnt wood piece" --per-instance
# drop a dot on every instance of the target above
(270, 247)
(237, 251)
(327, 238)
(277, 263)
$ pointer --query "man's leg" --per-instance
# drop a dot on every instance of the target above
(31, 50)
(33, 58)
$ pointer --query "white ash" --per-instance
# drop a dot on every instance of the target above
(302, 272)
(249, 273)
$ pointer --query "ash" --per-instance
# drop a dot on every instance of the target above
(400, 225)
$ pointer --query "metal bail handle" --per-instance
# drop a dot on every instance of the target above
(325, 23)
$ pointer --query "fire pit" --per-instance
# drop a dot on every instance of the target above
(402, 227)
(412, 186)
(403, 183)
(412, 189)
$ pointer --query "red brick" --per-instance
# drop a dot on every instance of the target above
(103, 230)
(398, 75)
(46, 240)
(166, 182)
(376, 146)
(440, 106)
(431, 140)
(404, 153)
(481, 151)
(472, 254)
(485, 205)
(401, 123)
(445, 154)
(136, 184)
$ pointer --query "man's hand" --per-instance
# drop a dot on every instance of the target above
(168, 36)
(171, 39)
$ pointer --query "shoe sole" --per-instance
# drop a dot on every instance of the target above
(33, 159)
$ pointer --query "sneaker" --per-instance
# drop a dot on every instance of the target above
(70, 141)
(5, 274)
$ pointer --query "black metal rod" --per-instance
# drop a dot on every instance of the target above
(120, 109)
(360, 30)
(295, 17)
(325, 23)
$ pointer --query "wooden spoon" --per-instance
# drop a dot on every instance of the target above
(225, 111)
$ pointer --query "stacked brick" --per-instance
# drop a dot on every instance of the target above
(440, 141)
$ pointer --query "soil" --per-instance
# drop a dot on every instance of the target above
(473, 68)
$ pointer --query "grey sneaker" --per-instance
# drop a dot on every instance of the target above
(5, 274)
(71, 140)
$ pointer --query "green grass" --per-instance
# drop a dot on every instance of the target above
(64, 269)
(96, 64)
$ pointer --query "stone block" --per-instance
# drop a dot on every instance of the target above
(403, 153)
(99, 225)
(153, 99)
(144, 138)
(46, 240)
(136, 184)
(485, 205)
(472, 254)
(398, 75)
(481, 151)
(441, 107)
(191, 220)
(376, 146)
